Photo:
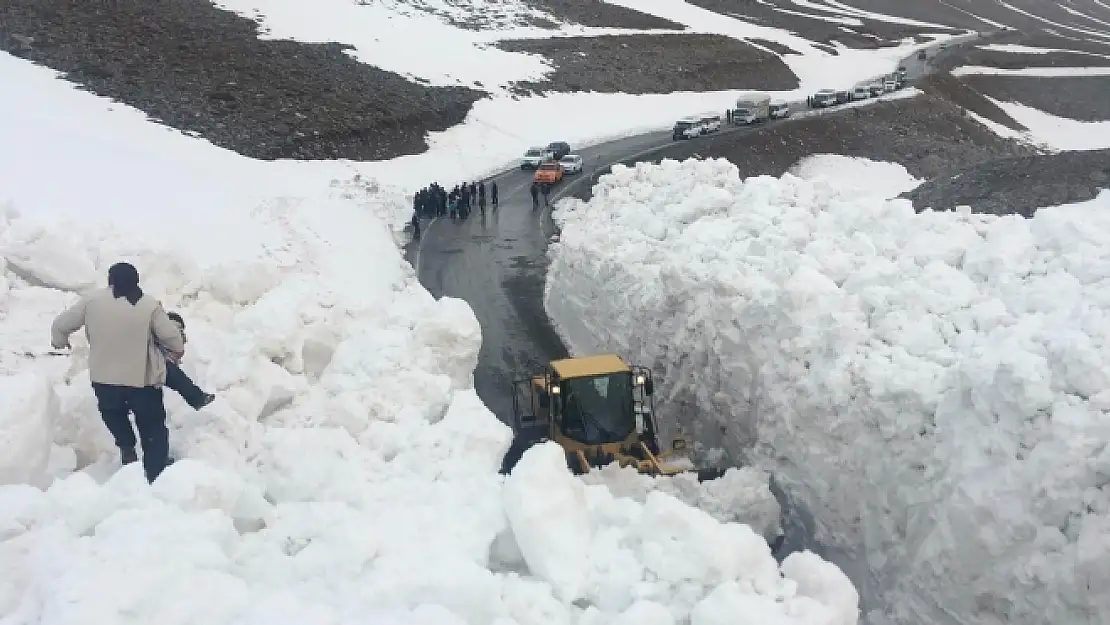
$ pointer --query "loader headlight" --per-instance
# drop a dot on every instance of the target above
(640, 380)
(678, 444)
(555, 390)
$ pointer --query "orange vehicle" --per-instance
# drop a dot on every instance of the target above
(550, 172)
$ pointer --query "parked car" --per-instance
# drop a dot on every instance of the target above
(861, 93)
(550, 172)
(572, 164)
(843, 97)
(823, 98)
(687, 128)
(876, 89)
(780, 109)
(710, 123)
(890, 86)
(533, 158)
(558, 149)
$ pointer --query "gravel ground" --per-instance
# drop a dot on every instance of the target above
(872, 34)
(1010, 60)
(547, 14)
(198, 68)
(1019, 185)
(1085, 98)
(957, 91)
(601, 14)
(655, 64)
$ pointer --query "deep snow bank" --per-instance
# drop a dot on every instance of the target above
(935, 385)
(348, 471)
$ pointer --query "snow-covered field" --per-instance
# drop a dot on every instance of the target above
(934, 386)
(348, 471)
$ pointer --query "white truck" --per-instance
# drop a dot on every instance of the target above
(751, 108)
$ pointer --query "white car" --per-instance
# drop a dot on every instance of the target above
(780, 109)
(572, 164)
(861, 93)
(687, 128)
(533, 158)
(710, 123)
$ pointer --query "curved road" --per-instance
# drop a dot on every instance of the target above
(498, 264)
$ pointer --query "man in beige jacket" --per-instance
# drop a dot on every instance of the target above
(126, 367)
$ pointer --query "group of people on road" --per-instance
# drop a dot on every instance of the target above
(434, 201)
(538, 189)
(135, 348)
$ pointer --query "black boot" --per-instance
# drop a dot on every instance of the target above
(127, 456)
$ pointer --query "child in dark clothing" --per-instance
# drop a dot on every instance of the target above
(179, 381)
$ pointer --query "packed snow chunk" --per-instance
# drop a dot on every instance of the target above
(905, 375)
(28, 413)
(739, 496)
(868, 178)
(53, 257)
(453, 337)
(546, 507)
(192, 485)
(240, 283)
(646, 613)
(682, 543)
(822, 581)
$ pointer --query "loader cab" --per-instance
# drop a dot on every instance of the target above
(595, 405)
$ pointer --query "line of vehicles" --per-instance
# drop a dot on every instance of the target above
(751, 108)
(551, 163)
(886, 84)
(755, 107)
(555, 161)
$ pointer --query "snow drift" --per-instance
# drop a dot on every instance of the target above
(934, 385)
(347, 472)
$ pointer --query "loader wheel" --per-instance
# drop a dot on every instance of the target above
(706, 475)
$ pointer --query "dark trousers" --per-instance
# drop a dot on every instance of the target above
(179, 381)
(115, 402)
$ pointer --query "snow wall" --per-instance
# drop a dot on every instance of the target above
(347, 472)
(934, 386)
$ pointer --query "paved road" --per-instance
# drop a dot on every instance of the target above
(498, 264)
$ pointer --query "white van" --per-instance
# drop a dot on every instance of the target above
(780, 109)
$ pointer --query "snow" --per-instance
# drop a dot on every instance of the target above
(1058, 133)
(1045, 72)
(1019, 49)
(931, 385)
(348, 470)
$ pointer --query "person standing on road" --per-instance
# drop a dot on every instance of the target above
(546, 194)
(126, 367)
(482, 196)
(535, 190)
(493, 193)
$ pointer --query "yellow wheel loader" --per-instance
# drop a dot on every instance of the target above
(600, 410)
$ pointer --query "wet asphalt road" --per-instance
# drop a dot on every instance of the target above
(498, 264)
